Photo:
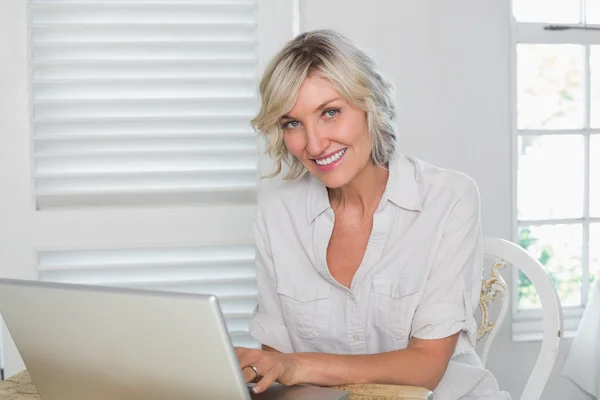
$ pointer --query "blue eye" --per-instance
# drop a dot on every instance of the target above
(331, 113)
(290, 124)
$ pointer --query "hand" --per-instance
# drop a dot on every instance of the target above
(272, 367)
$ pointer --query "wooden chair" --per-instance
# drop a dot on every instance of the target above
(494, 288)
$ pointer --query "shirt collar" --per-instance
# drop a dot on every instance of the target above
(318, 198)
(402, 188)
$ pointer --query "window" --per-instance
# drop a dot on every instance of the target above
(143, 102)
(556, 74)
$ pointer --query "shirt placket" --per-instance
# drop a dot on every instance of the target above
(356, 307)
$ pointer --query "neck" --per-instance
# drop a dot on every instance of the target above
(363, 193)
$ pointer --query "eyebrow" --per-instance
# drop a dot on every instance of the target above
(321, 106)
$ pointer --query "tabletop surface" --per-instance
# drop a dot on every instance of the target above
(20, 387)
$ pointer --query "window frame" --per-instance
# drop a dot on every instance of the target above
(527, 323)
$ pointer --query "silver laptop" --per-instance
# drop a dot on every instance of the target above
(98, 343)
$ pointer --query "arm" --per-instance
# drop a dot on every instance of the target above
(267, 325)
(423, 364)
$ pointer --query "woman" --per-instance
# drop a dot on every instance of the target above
(369, 261)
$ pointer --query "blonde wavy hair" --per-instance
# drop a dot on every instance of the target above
(352, 71)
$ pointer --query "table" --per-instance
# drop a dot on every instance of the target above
(20, 387)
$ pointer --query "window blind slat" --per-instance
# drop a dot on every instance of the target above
(245, 341)
(133, 89)
(52, 259)
(146, 101)
(224, 135)
(122, 265)
(238, 323)
(68, 156)
(233, 180)
(50, 70)
(191, 274)
(222, 195)
(131, 12)
(136, 2)
(143, 163)
(143, 50)
(147, 32)
(111, 108)
(143, 126)
(156, 144)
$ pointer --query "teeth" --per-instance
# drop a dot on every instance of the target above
(331, 159)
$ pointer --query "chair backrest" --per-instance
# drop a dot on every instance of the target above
(494, 288)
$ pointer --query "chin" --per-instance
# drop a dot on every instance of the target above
(332, 180)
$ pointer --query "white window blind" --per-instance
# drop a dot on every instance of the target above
(225, 271)
(143, 101)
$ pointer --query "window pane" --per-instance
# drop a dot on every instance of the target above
(595, 252)
(595, 88)
(592, 11)
(550, 86)
(550, 177)
(566, 11)
(558, 248)
(595, 175)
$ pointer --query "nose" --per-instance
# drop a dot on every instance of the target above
(317, 142)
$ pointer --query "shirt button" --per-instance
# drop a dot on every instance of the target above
(356, 337)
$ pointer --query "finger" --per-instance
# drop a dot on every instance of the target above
(240, 351)
(249, 357)
(249, 375)
(267, 380)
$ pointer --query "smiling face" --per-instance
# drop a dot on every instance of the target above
(328, 135)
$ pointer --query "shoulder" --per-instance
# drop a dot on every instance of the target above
(443, 185)
(280, 197)
(284, 192)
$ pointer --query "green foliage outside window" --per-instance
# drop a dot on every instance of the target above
(567, 279)
(527, 293)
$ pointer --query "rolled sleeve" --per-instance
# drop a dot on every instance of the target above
(270, 333)
(267, 324)
(452, 290)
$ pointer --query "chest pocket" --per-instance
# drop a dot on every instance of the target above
(306, 309)
(395, 300)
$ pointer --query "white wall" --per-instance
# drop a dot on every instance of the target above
(450, 63)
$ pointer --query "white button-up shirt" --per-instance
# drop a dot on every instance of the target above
(420, 275)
